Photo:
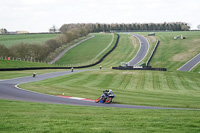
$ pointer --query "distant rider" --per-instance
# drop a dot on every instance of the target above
(34, 74)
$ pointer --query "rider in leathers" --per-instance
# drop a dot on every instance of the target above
(107, 93)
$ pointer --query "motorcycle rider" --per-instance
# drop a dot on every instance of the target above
(107, 93)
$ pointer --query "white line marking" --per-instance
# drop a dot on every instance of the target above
(189, 61)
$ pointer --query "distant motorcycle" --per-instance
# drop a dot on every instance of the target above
(105, 99)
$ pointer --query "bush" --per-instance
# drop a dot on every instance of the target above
(40, 52)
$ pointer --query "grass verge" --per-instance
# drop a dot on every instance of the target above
(84, 53)
(172, 54)
(38, 117)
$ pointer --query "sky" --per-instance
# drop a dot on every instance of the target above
(40, 15)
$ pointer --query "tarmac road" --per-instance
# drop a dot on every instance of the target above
(9, 90)
(190, 64)
(144, 47)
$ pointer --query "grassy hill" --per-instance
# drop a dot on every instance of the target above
(172, 54)
(9, 40)
(89, 51)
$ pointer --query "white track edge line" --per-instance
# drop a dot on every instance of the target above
(189, 61)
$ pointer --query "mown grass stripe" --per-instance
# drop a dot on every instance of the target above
(163, 81)
(148, 81)
(156, 81)
(141, 80)
(170, 81)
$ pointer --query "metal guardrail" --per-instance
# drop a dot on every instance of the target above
(154, 50)
(144, 68)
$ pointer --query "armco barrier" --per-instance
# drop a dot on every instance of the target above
(154, 50)
(36, 68)
(144, 68)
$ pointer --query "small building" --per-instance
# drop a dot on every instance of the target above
(22, 32)
(12, 32)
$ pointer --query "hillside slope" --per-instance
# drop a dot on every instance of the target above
(88, 51)
(172, 54)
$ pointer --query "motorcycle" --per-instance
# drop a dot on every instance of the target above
(105, 99)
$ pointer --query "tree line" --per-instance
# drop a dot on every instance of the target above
(40, 52)
(100, 27)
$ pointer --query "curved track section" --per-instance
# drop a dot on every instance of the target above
(144, 47)
(9, 90)
(190, 64)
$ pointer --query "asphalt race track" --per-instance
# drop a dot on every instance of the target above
(9, 90)
(190, 64)
(144, 47)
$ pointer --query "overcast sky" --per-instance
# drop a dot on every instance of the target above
(40, 15)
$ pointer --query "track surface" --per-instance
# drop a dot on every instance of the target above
(144, 47)
(190, 64)
(8, 90)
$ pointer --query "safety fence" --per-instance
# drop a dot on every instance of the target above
(154, 50)
(27, 59)
(143, 68)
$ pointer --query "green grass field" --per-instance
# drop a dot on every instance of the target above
(31, 117)
(172, 54)
(9, 40)
(88, 51)
(21, 64)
